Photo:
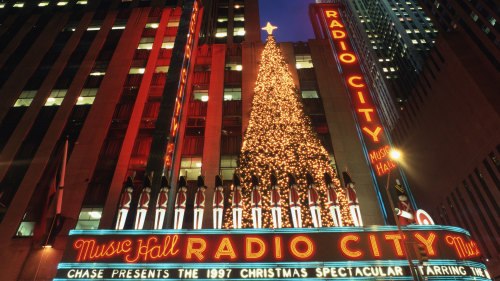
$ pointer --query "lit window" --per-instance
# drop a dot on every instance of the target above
(232, 94)
(392, 69)
(303, 61)
(385, 69)
(423, 41)
(200, 94)
(239, 31)
(26, 229)
(93, 28)
(146, 43)
(136, 70)
(221, 32)
(2, 5)
(89, 218)
(222, 19)
(82, 2)
(190, 167)
(152, 25)
(238, 6)
(25, 98)
(310, 94)
(62, 3)
(120, 26)
(43, 4)
(19, 5)
(414, 41)
(234, 66)
(174, 22)
(161, 69)
(87, 96)
(228, 164)
(168, 42)
(408, 31)
(97, 73)
(56, 97)
(239, 18)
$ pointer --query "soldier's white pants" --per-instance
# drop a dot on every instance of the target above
(296, 217)
(198, 218)
(159, 218)
(178, 218)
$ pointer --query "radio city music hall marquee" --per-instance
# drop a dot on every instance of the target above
(351, 252)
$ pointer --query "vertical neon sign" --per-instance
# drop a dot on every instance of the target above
(372, 133)
(181, 90)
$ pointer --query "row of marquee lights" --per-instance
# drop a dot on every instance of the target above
(174, 128)
(368, 117)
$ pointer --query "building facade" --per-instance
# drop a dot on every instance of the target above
(152, 88)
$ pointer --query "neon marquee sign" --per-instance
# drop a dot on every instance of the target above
(266, 254)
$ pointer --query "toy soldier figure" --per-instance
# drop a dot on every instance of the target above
(218, 204)
(199, 203)
(352, 200)
(294, 198)
(404, 209)
(275, 202)
(180, 204)
(237, 203)
(125, 200)
(161, 203)
(333, 201)
(256, 200)
(143, 205)
(313, 201)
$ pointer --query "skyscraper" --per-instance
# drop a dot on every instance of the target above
(400, 35)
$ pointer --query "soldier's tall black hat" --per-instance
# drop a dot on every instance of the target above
(201, 182)
(218, 181)
(182, 182)
(309, 179)
(164, 182)
(347, 178)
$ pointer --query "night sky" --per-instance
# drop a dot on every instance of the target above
(290, 16)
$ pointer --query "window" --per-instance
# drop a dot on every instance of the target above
(161, 69)
(174, 22)
(25, 98)
(200, 94)
(19, 5)
(221, 32)
(168, 42)
(89, 218)
(232, 94)
(152, 25)
(310, 94)
(222, 19)
(228, 164)
(239, 31)
(87, 96)
(56, 97)
(239, 17)
(43, 4)
(190, 167)
(26, 229)
(303, 61)
(146, 43)
(136, 70)
(81, 2)
(234, 66)
(62, 3)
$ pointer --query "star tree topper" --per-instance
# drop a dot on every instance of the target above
(269, 28)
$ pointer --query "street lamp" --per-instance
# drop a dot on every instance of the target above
(396, 155)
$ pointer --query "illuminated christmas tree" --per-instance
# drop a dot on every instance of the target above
(280, 139)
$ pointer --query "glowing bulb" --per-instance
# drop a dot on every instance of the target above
(395, 154)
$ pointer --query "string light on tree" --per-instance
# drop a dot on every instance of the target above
(281, 139)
